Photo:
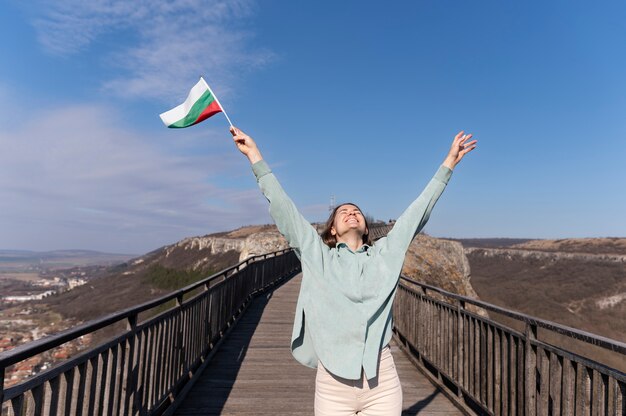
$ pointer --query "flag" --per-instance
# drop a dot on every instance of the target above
(200, 104)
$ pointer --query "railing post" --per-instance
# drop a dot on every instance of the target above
(133, 366)
(1, 387)
(530, 367)
(460, 348)
(207, 318)
(180, 335)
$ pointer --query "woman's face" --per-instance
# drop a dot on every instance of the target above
(348, 218)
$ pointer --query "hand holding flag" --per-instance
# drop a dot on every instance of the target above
(246, 145)
(201, 103)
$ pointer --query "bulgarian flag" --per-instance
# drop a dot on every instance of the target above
(201, 103)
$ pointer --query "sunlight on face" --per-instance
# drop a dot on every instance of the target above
(349, 217)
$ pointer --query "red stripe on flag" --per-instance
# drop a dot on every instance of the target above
(211, 110)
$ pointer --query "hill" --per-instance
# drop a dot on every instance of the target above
(162, 271)
(21, 260)
(576, 282)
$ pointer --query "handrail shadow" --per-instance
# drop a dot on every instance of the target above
(420, 405)
(214, 386)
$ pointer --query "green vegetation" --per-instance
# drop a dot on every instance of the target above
(171, 279)
(118, 268)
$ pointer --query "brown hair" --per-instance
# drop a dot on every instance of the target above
(330, 240)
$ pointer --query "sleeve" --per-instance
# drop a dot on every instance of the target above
(414, 218)
(299, 233)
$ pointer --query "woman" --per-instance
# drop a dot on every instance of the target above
(343, 317)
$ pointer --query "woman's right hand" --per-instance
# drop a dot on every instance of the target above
(246, 145)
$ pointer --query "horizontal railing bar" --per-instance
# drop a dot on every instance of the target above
(21, 352)
(75, 361)
(466, 312)
(587, 337)
(616, 374)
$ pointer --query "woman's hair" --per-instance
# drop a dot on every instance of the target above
(330, 240)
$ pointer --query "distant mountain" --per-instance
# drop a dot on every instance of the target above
(490, 242)
(21, 260)
(55, 254)
(603, 245)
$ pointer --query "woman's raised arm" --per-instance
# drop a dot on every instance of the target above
(416, 215)
(299, 233)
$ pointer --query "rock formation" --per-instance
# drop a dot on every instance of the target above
(440, 263)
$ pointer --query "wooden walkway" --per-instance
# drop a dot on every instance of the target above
(253, 371)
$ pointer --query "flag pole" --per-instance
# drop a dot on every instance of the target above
(218, 101)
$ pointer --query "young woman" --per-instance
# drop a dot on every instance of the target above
(343, 316)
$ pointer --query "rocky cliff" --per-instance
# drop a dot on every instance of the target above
(546, 256)
(440, 263)
(214, 252)
(434, 261)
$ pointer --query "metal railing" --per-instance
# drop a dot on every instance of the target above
(486, 367)
(489, 368)
(143, 370)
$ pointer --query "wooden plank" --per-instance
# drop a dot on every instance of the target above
(543, 397)
(490, 356)
(112, 384)
(530, 377)
(519, 374)
(167, 347)
(599, 393)
(568, 388)
(104, 382)
(460, 355)
(121, 377)
(471, 346)
(157, 364)
(141, 391)
(80, 382)
(17, 406)
(556, 382)
(69, 390)
(505, 375)
(55, 390)
(583, 390)
(38, 397)
(132, 371)
(497, 372)
(95, 366)
(448, 342)
(149, 369)
(620, 398)
(478, 345)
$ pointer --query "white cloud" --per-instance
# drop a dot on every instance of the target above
(73, 179)
(160, 46)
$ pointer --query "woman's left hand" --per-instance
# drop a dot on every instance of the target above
(460, 147)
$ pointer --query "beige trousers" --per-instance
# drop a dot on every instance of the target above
(380, 396)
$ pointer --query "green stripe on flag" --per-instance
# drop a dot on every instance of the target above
(198, 107)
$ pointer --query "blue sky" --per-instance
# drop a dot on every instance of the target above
(354, 99)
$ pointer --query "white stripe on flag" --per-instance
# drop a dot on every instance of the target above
(177, 113)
